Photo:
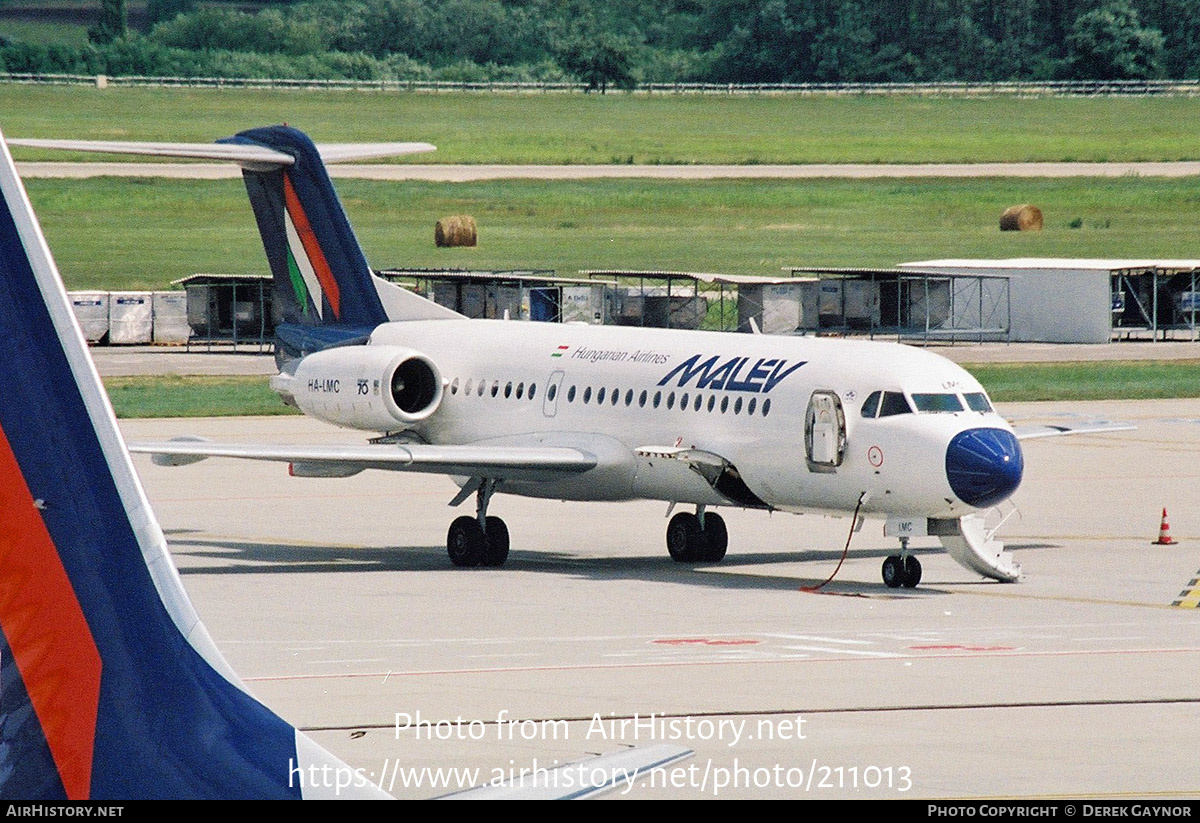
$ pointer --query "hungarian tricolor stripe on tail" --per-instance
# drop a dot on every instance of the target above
(306, 257)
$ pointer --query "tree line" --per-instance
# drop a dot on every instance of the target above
(620, 43)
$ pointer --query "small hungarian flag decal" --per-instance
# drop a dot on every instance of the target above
(560, 351)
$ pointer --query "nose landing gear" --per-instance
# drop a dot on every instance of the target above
(902, 569)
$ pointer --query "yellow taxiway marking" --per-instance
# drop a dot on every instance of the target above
(1189, 598)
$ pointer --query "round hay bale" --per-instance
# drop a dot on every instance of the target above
(458, 230)
(1021, 218)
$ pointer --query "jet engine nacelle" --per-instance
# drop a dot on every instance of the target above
(376, 388)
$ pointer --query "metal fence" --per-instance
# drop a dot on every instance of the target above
(1018, 88)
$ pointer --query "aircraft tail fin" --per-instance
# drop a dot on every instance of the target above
(321, 277)
(324, 292)
(110, 686)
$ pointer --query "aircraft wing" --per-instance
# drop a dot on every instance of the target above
(1036, 432)
(498, 462)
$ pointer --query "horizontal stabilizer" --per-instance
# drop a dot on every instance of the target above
(241, 153)
(349, 152)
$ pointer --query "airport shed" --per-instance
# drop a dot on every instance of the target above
(910, 303)
(1083, 300)
(702, 300)
(229, 308)
(521, 294)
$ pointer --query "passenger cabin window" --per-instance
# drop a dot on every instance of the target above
(937, 403)
(977, 401)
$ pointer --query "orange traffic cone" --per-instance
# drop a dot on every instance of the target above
(1164, 532)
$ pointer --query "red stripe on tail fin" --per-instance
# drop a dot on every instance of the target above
(312, 248)
(55, 653)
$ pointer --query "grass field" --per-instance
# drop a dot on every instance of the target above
(1110, 380)
(176, 396)
(193, 396)
(143, 233)
(622, 128)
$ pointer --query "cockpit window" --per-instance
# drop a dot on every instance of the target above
(894, 402)
(870, 406)
(977, 401)
(937, 402)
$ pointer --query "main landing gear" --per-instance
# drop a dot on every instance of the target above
(902, 569)
(698, 537)
(478, 540)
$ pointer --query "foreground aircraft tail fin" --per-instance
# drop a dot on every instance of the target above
(110, 686)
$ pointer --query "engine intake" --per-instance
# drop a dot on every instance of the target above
(416, 386)
(376, 388)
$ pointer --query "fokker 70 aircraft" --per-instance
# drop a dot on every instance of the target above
(582, 412)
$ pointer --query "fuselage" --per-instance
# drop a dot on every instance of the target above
(790, 423)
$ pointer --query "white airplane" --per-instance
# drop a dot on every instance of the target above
(110, 686)
(580, 412)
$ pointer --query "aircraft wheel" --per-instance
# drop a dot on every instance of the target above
(893, 572)
(465, 542)
(716, 538)
(685, 541)
(495, 550)
(912, 572)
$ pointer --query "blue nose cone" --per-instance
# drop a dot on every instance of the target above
(984, 466)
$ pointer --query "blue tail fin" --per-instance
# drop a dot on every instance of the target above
(110, 687)
(322, 282)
